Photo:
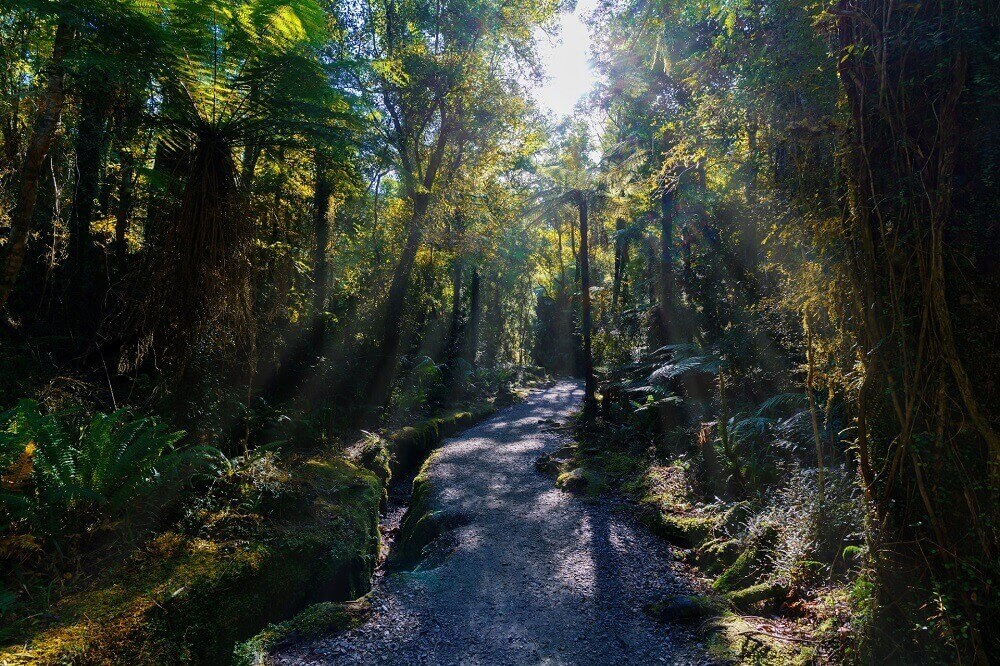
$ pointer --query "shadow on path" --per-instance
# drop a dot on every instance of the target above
(531, 575)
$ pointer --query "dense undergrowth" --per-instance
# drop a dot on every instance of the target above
(782, 568)
(217, 273)
(770, 594)
(126, 539)
(251, 540)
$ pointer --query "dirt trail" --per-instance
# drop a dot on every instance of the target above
(532, 575)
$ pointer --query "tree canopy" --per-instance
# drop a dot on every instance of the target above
(767, 241)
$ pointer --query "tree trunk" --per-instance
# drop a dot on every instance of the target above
(669, 328)
(472, 331)
(90, 144)
(727, 444)
(590, 382)
(619, 267)
(124, 210)
(321, 228)
(251, 155)
(495, 324)
(163, 195)
(810, 391)
(49, 111)
(452, 344)
(562, 260)
(688, 270)
(455, 325)
(928, 461)
(384, 363)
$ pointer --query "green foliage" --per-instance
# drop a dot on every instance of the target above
(423, 380)
(683, 359)
(741, 572)
(314, 621)
(63, 475)
(185, 598)
(269, 217)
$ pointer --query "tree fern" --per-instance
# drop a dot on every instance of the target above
(705, 364)
(783, 403)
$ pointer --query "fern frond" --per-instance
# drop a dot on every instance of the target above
(782, 402)
(703, 364)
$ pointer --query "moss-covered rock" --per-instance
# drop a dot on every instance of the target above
(582, 480)
(679, 529)
(422, 524)
(374, 455)
(757, 593)
(735, 517)
(748, 566)
(575, 480)
(183, 599)
(314, 621)
(738, 574)
(716, 555)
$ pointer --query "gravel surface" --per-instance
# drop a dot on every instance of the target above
(530, 575)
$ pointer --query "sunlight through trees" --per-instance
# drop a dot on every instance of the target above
(233, 233)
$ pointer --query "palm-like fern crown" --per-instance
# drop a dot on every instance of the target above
(251, 72)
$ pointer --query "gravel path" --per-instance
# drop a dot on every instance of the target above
(531, 575)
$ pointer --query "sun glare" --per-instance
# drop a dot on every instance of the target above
(566, 63)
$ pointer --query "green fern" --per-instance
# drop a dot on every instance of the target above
(782, 403)
(90, 472)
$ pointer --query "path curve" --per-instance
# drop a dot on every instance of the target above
(532, 575)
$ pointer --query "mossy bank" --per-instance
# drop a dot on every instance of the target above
(726, 550)
(187, 598)
(184, 599)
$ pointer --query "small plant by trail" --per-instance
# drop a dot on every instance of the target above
(64, 476)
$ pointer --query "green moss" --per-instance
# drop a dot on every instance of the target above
(807, 571)
(733, 640)
(185, 599)
(757, 593)
(581, 479)
(421, 525)
(620, 466)
(748, 566)
(316, 620)
(679, 529)
(739, 573)
(734, 517)
(409, 446)
(665, 487)
(377, 459)
(716, 555)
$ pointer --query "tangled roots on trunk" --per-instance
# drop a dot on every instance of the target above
(201, 277)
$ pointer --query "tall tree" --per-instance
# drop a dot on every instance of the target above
(444, 63)
(906, 159)
(590, 381)
(50, 107)
(255, 79)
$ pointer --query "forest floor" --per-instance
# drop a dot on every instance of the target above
(526, 573)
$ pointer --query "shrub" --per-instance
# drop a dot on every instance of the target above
(63, 475)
